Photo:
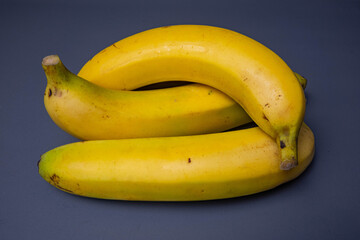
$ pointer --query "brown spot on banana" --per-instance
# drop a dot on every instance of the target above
(55, 180)
(114, 45)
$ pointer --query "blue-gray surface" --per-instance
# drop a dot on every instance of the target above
(319, 39)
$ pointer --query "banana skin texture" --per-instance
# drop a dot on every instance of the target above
(90, 112)
(187, 168)
(247, 71)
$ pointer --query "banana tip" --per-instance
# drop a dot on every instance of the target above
(50, 60)
(288, 164)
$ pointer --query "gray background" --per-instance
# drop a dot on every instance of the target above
(319, 39)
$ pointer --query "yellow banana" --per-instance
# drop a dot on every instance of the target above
(90, 112)
(82, 109)
(187, 168)
(253, 75)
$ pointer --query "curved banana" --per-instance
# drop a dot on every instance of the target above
(188, 168)
(90, 112)
(82, 110)
(253, 75)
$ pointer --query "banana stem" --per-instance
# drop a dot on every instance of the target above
(55, 71)
(50, 64)
(301, 79)
(50, 60)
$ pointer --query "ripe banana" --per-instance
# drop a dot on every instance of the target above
(253, 75)
(187, 168)
(82, 109)
(90, 112)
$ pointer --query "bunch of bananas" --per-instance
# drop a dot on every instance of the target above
(169, 144)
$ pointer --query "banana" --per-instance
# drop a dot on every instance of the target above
(251, 74)
(82, 109)
(186, 168)
(90, 112)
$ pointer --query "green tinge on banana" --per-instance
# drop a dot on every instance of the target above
(301, 79)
